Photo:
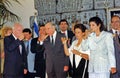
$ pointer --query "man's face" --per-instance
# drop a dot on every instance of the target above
(42, 30)
(27, 35)
(18, 30)
(63, 26)
(115, 23)
(49, 29)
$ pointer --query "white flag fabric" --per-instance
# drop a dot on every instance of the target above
(35, 28)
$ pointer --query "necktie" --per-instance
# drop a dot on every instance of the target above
(117, 37)
(27, 47)
(52, 40)
(116, 33)
(74, 65)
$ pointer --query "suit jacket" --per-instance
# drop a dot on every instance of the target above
(102, 56)
(117, 54)
(55, 57)
(30, 56)
(70, 35)
(38, 49)
(15, 61)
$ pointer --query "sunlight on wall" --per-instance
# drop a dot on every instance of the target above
(24, 11)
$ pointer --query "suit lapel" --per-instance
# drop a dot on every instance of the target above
(47, 41)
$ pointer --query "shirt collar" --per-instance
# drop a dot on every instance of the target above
(14, 36)
(54, 34)
(64, 32)
(114, 31)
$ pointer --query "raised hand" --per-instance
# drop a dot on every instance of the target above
(64, 40)
(21, 37)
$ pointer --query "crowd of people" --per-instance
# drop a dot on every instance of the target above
(76, 53)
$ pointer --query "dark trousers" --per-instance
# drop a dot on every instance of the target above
(5, 76)
(78, 72)
(40, 68)
(56, 75)
(115, 75)
(29, 75)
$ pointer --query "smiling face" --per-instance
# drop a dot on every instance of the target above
(115, 22)
(78, 33)
(42, 30)
(27, 35)
(17, 30)
(49, 28)
(94, 27)
(63, 26)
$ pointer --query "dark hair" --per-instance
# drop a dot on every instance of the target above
(63, 20)
(27, 30)
(115, 16)
(98, 21)
(42, 25)
(80, 26)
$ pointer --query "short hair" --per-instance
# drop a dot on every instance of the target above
(63, 20)
(27, 30)
(115, 16)
(42, 25)
(80, 26)
(52, 24)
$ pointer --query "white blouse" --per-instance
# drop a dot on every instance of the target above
(80, 48)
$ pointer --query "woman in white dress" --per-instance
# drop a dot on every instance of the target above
(78, 57)
(102, 58)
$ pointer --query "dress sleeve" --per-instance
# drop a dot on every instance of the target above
(110, 48)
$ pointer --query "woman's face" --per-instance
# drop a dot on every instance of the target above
(78, 33)
(9, 32)
(94, 27)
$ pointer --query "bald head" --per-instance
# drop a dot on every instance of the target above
(50, 28)
(17, 29)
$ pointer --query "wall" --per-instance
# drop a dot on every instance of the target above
(74, 10)
(24, 11)
(54, 10)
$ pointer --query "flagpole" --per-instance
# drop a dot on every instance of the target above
(35, 14)
(35, 25)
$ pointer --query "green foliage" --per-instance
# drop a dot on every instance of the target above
(5, 14)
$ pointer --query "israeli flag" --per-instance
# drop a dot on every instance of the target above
(36, 28)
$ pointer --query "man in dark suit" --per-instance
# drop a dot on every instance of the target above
(63, 25)
(64, 28)
(15, 65)
(30, 56)
(56, 60)
(37, 47)
(115, 24)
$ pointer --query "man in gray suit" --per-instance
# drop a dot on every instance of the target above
(115, 24)
(56, 60)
